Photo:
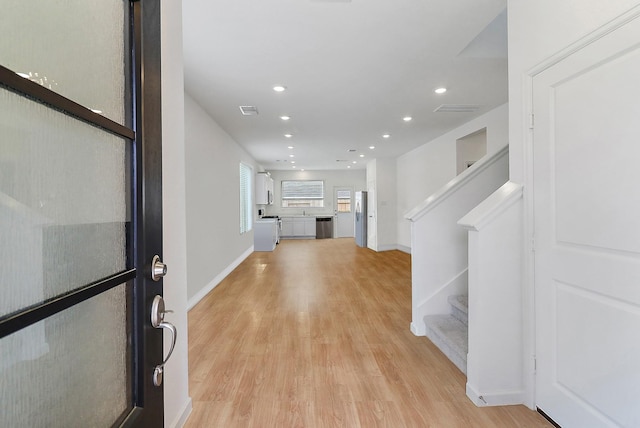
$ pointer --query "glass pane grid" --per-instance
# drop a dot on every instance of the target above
(85, 63)
(63, 203)
(71, 369)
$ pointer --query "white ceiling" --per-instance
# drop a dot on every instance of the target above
(353, 70)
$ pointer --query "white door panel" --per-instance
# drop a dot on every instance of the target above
(587, 225)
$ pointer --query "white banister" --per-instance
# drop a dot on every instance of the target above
(439, 245)
(456, 183)
(495, 359)
(491, 208)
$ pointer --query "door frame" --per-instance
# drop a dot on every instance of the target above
(529, 283)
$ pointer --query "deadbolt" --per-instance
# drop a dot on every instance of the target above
(158, 269)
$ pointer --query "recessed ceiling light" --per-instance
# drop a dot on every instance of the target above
(279, 88)
(289, 147)
(348, 166)
(372, 147)
(354, 162)
(293, 161)
(407, 118)
(301, 169)
(285, 117)
(293, 166)
(361, 155)
(386, 135)
(288, 135)
(440, 90)
(292, 156)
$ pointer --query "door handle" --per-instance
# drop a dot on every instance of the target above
(157, 321)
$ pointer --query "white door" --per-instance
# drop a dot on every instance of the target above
(587, 223)
(343, 203)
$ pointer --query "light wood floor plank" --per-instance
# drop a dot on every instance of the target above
(316, 334)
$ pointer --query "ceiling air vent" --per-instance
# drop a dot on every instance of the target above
(457, 108)
(249, 110)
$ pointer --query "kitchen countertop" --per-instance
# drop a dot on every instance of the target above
(305, 216)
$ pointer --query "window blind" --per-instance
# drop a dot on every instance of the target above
(307, 189)
(246, 212)
(344, 194)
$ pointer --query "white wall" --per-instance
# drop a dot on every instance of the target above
(424, 170)
(332, 178)
(372, 205)
(470, 149)
(214, 243)
(381, 179)
(537, 30)
(176, 379)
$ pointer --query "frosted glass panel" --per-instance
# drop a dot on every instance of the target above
(63, 209)
(85, 62)
(51, 377)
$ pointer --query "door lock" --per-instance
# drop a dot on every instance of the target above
(158, 269)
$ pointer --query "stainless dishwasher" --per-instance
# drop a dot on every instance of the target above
(324, 227)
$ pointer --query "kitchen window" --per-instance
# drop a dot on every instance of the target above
(246, 212)
(302, 193)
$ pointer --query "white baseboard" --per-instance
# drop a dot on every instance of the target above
(404, 249)
(387, 247)
(391, 247)
(502, 398)
(418, 330)
(222, 275)
(181, 419)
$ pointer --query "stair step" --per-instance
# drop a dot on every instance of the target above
(450, 336)
(460, 308)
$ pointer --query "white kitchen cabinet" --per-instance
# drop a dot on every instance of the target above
(298, 227)
(310, 227)
(264, 189)
(287, 226)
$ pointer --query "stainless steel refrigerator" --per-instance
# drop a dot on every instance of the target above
(361, 219)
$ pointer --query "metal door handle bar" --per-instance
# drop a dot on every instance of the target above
(157, 321)
(158, 371)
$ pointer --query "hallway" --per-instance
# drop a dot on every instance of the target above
(316, 334)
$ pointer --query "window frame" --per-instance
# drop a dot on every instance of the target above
(246, 200)
(308, 200)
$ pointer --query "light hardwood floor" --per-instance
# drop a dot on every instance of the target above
(316, 334)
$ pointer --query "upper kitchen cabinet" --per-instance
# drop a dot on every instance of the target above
(264, 189)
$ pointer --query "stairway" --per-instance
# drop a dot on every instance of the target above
(450, 332)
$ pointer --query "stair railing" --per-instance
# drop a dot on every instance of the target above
(439, 252)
